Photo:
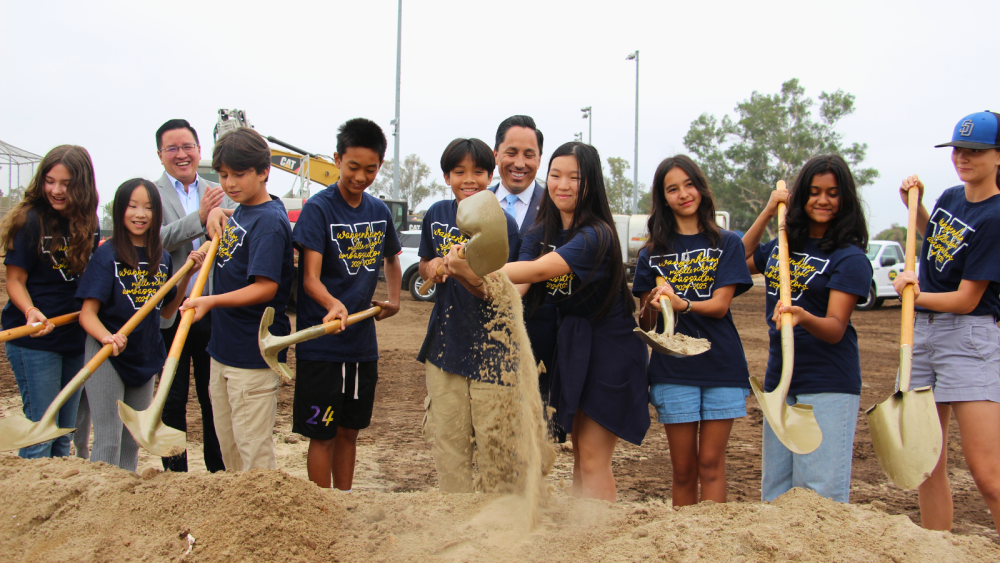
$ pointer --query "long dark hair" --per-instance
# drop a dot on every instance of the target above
(120, 239)
(81, 208)
(848, 226)
(592, 210)
(662, 224)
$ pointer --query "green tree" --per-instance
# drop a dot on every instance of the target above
(619, 188)
(107, 219)
(415, 184)
(897, 233)
(770, 139)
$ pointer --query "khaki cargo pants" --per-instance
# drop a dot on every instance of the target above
(461, 412)
(244, 404)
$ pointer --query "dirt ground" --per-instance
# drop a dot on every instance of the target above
(394, 458)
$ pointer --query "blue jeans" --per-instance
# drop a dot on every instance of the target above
(827, 470)
(40, 376)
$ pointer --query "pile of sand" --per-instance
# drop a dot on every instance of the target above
(71, 510)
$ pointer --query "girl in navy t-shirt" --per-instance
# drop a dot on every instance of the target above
(599, 387)
(827, 236)
(696, 397)
(956, 342)
(120, 279)
(49, 237)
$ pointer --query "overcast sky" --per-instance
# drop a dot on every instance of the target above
(106, 74)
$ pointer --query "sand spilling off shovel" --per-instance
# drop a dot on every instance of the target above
(521, 454)
(681, 344)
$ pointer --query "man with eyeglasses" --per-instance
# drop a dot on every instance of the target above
(187, 200)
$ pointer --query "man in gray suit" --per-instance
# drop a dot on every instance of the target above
(187, 199)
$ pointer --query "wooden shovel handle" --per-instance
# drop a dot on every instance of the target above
(906, 328)
(428, 284)
(187, 318)
(351, 319)
(27, 330)
(784, 280)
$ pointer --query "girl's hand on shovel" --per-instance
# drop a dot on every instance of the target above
(36, 316)
(336, 311)
(198, 257)
(117, 341)
(456, 266)
(676, 303)
(388, 309)
(798, 313)
(904, 279)
(201, 306)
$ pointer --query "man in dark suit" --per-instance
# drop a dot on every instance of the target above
(518, 152)
(187, 198)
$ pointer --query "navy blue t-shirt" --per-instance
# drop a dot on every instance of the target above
(353, 241)
(458, 340)
(582, 291)
(50, 284)
(123, 290)
(695, 271)
(961, 244)
(820, 367)
(257, 242)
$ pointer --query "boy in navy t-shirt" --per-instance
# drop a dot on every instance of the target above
(458, 350)
(342, 234)
(253, 271)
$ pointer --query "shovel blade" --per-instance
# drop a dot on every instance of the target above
(481, 218)
(794, 425)
(149, 432)
(660, 344)
(18, 432)
(906, 435)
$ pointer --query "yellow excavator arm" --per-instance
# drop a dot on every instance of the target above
(321, 170)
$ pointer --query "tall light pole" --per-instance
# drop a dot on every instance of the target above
(635, 161)
(588, 115)
(578, 137)
(395, 122)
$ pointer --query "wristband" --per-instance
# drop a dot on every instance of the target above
(688, 310)
(28, 310)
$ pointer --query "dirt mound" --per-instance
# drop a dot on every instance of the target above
(71, 510)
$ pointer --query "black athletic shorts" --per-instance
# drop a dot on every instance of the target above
(332, 394)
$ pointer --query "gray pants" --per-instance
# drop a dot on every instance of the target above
(112, 441)
(81, 437)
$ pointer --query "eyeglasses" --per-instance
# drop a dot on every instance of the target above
(173, 149)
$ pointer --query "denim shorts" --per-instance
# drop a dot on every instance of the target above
(958, 355)
(676, 404)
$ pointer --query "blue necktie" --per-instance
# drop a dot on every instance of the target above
(510, 199)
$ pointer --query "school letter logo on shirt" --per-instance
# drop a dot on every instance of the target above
(359, 245)
(802, 269)
(59, 258)
(694, 270)
(444, 236)
(949, 238)
(231, 239)
(136, 286)
(563, 284)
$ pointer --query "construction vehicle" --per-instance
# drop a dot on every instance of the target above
(306, 166)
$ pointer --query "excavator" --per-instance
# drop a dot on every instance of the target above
(306, 166)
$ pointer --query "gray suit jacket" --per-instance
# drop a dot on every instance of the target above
(179, 229)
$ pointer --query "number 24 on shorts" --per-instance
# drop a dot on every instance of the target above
(327, 416)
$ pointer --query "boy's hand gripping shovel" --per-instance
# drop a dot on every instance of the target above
(667, 343)
(794, 425)
(905, 428)
(270, 344)
(17, 432)
(480, 218)
(146, 426)
(28, 330)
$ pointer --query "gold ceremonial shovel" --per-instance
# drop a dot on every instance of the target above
(480, 218)
(794, 425)
(667, 343)
(146, 426)
(17, 432)
(905, 428)
(270, 344)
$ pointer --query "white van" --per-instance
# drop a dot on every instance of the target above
(888, 260)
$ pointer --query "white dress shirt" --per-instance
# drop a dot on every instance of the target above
(190, 201)
(521, 204)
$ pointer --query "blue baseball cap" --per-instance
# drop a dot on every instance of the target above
(976, 131)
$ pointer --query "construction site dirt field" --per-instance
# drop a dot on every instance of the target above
(61, 510)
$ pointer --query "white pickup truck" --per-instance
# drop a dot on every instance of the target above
(888, 261)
